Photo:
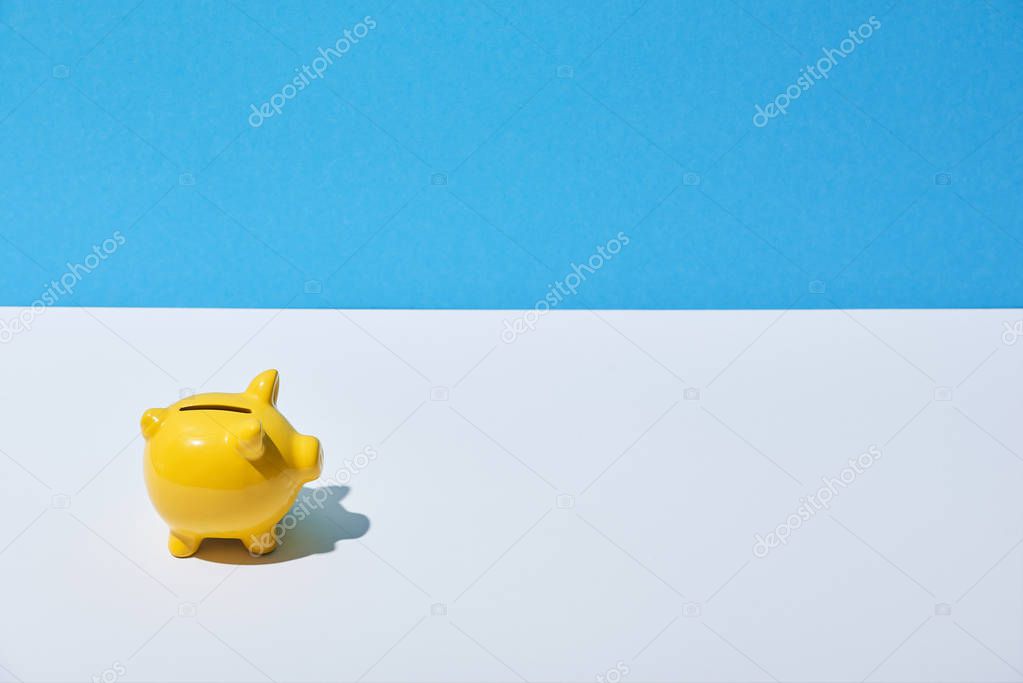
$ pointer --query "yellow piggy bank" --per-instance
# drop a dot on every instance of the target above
(226, 466)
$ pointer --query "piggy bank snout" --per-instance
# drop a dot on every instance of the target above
(308, 455)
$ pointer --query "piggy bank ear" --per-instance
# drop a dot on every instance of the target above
(264, 387)
(151, 421)
(248, 439)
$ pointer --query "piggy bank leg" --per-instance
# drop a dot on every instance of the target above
(183, 544)
(260, 542)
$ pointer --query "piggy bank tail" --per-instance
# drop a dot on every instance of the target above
(151, 422)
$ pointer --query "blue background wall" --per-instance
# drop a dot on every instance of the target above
(465, 154)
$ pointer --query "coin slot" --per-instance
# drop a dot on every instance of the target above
(233, 409)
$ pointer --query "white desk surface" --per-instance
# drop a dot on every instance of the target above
(567, 513)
